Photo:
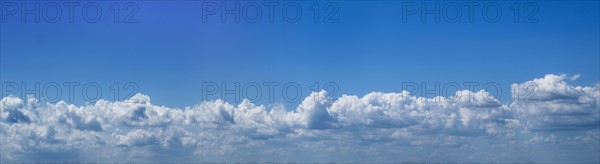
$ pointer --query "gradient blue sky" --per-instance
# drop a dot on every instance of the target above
(171, 51)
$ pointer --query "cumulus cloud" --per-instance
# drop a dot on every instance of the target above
(349, 128)
(550, 104)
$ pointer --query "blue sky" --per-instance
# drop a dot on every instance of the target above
(170, 52)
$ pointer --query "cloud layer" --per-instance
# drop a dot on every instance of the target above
(559, 122)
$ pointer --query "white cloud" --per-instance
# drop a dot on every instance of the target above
(351, 128)
(552, 104)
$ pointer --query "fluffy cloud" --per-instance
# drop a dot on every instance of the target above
(550, 104)
(350, 128)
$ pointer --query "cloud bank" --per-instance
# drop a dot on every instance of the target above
(560, 122)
